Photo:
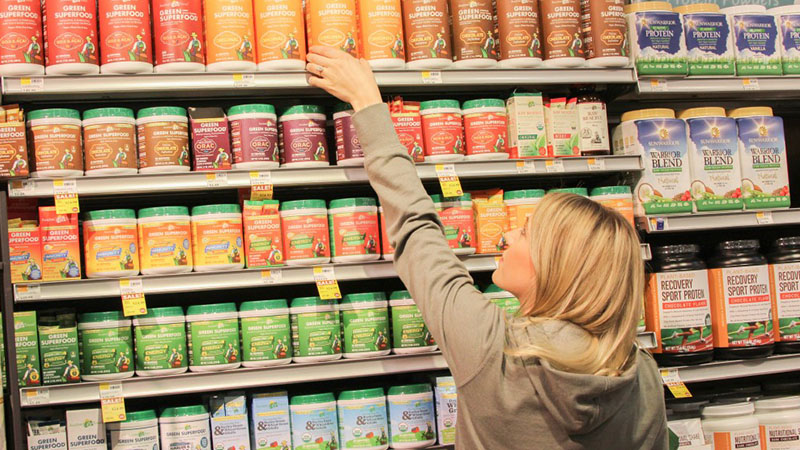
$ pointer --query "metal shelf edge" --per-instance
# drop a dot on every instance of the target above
(709, 221)
(723, 370)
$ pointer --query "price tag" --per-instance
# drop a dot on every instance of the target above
(31, 84)
(596, 164)
(497, 261)
(111, 402)
(658, 223)
(23, 292)
(260, 186)
(244, 80)
(327, 285)
(673, 382)
(432, 77)
(36, 397)
(527, 166)
(750, 84)
(448, 179)
(554, 166)
(658, 85)
(66, 195)
(216, 179)
(764, 217)
(132, 292)
(271, 276)
(21, 188)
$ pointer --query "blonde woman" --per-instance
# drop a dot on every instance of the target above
(564, 374)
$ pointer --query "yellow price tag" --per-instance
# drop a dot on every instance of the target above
(673, 382)
(112, 403)
(133, 302)
(260, 186)
(66, 196)
(448, 180)
(327, 285)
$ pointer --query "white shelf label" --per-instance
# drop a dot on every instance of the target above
(658, 85)
(271, 276)
(554, 166)
(216, 179)
(596, 164)
(261, 185)
(36, 397)
(24, 292)
(244, 80)
(35, 84)
(647, 254)
(658, 223)
(673, 382)
(21, 188)
(432, 77)
(764, 217)
(527, 166)
(750, 84)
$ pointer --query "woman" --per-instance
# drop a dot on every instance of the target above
(564, 374)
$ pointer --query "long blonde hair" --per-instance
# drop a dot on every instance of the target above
(589, 272)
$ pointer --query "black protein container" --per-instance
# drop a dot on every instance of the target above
(784, 266)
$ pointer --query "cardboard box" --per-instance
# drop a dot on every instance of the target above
(58, 347)
(25, 252)
(262, 234)
(61, 245)
(527, 134)
(46, 434)
(270, 421)
(13, 144)
(491, 220)
(86, 430)
(562, 120)
(26, 338)
(231, 431)
(446, 409)
(211, 139)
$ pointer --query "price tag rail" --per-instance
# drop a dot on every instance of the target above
(718, 220)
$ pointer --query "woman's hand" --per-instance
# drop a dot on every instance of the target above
(346, 78)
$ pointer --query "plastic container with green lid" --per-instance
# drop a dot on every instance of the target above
(213, 337)
(521, 205)
(266, 333)
(56, 138)
(458, 218)
(316, 330)
(314, 422)
(410, 334)
(577, 191)
(217, 237)
(109, 142)
(106, 346)
(165, 240)
(485, 129)
(254, 136)
(163, 139)
(363, 422)
(443, 129)
(365, 322)
(185, 427)
(618, 198)
(160, 342)
(303, 142)
(348, 146)
(411, 417)
(502, 299)
(354, 230)
(306, 236)
(664, 54)
(139, 431)
(110, 243)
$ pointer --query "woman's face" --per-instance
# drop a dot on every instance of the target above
(515, 272)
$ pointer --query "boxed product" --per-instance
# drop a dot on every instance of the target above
(61, 245)
(85, 430)
(270, 422)
(46, 434)
(562, 123)
(446, 409)
(689, 432)
(58, 347)
(211, 139)
(491, 220)
(25, 252)
(408, 126)
(13, 145)
(262, 233)
(231, 430)
(527, 136)
(26, 339)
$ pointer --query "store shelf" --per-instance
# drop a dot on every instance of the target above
(711, 221)
(334, 175)
(192, 382)
(724, 370)
(94, 87)
(647, 340)
(780, 87)
(209, 281)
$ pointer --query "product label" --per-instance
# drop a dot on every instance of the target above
(57, 147)
(486, 132)
(139, 438)
(620, 205)
(364, 426)
(165, 244)
(716, 168)
(213, 342)
(446, 413)
(61, 249)
(427, 30)
(186, 435)
(459, 226)
(13, 147)
(280, 25)
(347, 144)
(266, 338)
(562, 128)
(762, 148)
(785, 283)
(408, 126)
(689, 432)
(366, 330)
(659, 46)
(518, 22)
(263, 238)
(741, 306)
(303, 140)
(708, 43)
(593, 128)
(734, 440)
(21, 38)
(333, 23)
(27, 345)
(230, 432)
(443, 134)
(411, 420)
(70, 30)
(25, 255)
(678, 310)
(270, 422)
(58, 348)
(492, 221)
(790, 55)
(526, 127)
(306, 237)
(211, 144)
(518, 214)
(217, 241)
(125, 30)
(163, 144)
(314, 429)
(110, 248)
(106, 351)
(473, 30)
(604, 28)
(755, 37)
(354, 233)
(110, 146)
(229, 31)
(780, 437)
(178, 31)
(254, 140)
(316, 334)
(410, 330)
(160, 347)
(381, 30)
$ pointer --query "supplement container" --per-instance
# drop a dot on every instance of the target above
(314, 422)
(503, 299)
(618, 198)
(788, 18)
(755, 40)
(521, 205)
(333, 23)
(476, 45)
(185, 427)
(22, 19)
(262, 234)
(109, 141)
(592, 124)
(363, 422)
(266, 333)
(381, 34)
(427, 34)
(661, 52)
(485, 129)
(387, 251)
(458, 219)
(583, 192)
(165, 240)
(605, 30)
(56, 138)
(302, 137)
(230, 36)
(305, 232)
(106, 346)
(254, 136)
(125, 36)
(217, 238)
(163, 139)
(160, 342)
(709, 41)
(354, 232)
(280, 26)
(443, 130)
(520, 34)
(408, 126)
(212, 332)
(316, 330)
(784, 274)
(70, 37)
(184, 19)
(348, 147)
(138, 431)
(60, 245)
(762, 151)
(740, 301)
(410, 334)
(683, 419)
(677, 307)
(714, 157)
(109, 240)
(411, 418)
(561, 28)
(731, 425)
(779, 422)
(365, 325)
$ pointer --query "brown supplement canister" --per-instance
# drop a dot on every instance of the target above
(605, 33)
(163, 139)
(520, 35)
(474, 39)
(109, 141)
(561, 26)
(426, 29)
(55, 137)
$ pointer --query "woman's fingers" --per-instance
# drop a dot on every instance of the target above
(321, 83)
(328, 52)
(323, 61)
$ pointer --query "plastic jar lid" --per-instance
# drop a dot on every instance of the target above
(745, 244)
(303, 109)
(788, 9)
(750, 111)
(366, 300)
(303, 204)
(299, 400)
(231, 208)
(401, 298)
(436, 198)
(184, 411)
(777, 404)
(693, 405)
(163, 211)
(104, 214)
(730, 410)
(484, 103)
(652, 113)
(707, 111)
(787, 242)
(494, 291)
(342, 107)
(261, 308)
(107, 112)
(139, 416)
(161, 111)
(523, 194)
(216, 308)
(301, 302)
(697, 8)
(611, 190)
(647, 6)
(167, 311)
(577, 191)
(254, 108)
(399, 295)
(105, 316)
(436, 104)
(352, 202)
(410, 389)
(744, 9)
(678, 249)
(54, 113)
(361, 394)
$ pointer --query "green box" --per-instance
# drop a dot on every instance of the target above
(26, 340)
(58, 347)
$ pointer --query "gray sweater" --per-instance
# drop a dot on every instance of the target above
(505, 403)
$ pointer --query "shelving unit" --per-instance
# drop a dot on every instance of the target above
(720, 220)
(681, 88)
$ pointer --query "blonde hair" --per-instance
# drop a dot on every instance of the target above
(589, 272)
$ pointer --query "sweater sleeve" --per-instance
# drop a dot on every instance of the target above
(467, 327)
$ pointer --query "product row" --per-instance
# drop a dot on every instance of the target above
(401, 417)
(707, 159)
